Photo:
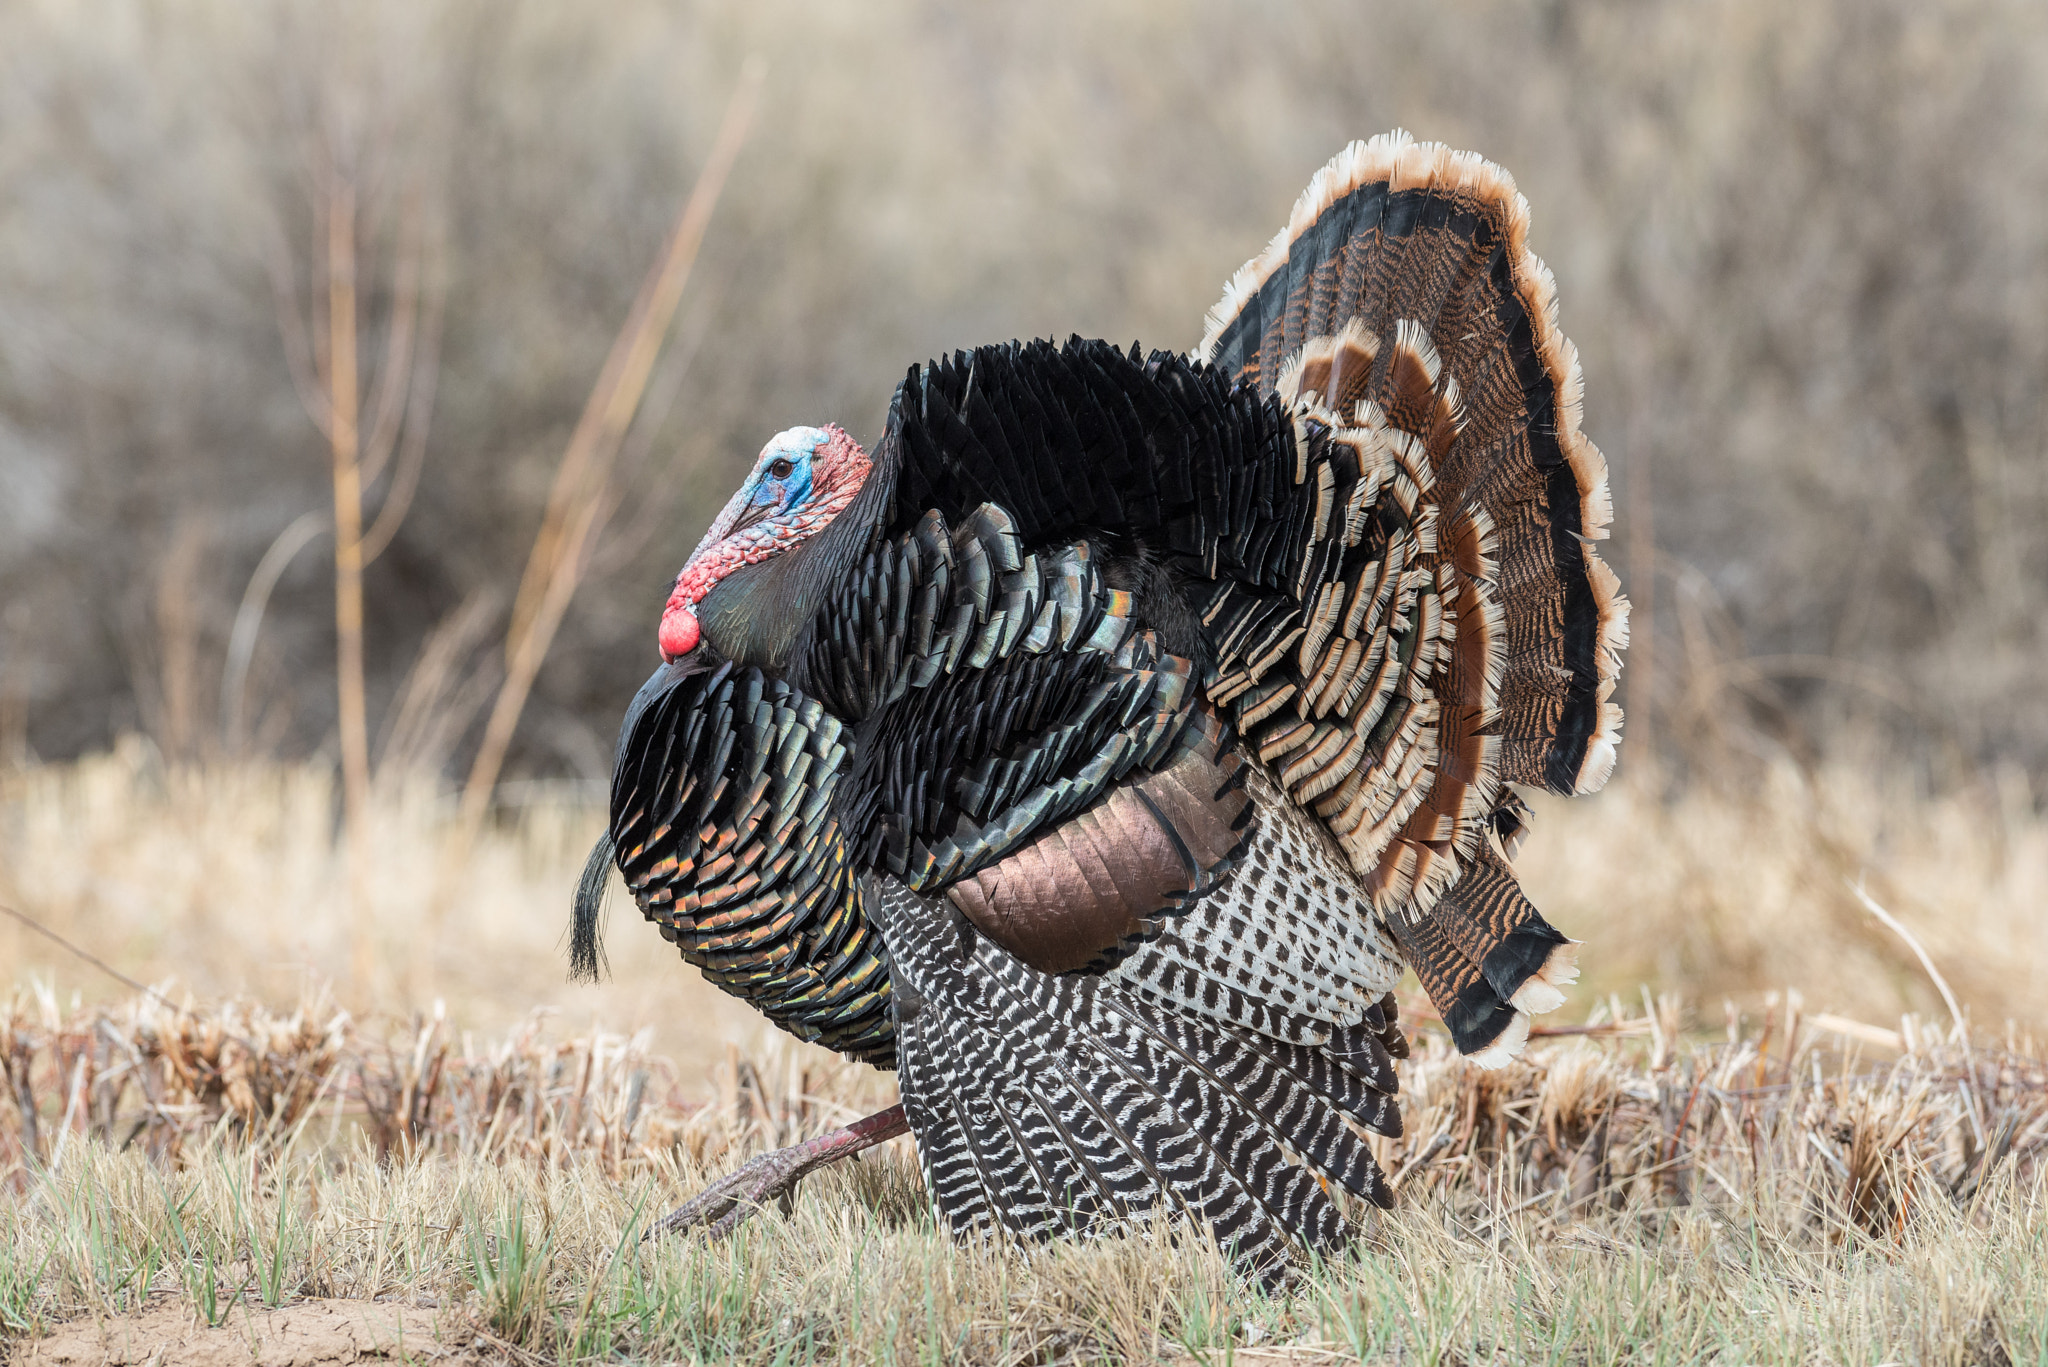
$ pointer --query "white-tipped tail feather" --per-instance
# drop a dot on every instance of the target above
(1545, 989)
(1561, 969)
(1507, 1045)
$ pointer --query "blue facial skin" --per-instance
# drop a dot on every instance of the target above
(792, 489)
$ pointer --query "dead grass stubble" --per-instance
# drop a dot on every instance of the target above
(1624, 1194)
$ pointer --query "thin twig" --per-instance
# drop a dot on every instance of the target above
(621, 384)
(249, 619)
(1970, 1106)
(1608, 1030)
(1893, 924)
(385, 402)
(101, 964)
(419, 410)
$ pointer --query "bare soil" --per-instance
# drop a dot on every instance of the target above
(310, 1333)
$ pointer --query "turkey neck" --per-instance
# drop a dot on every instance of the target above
(760, 613)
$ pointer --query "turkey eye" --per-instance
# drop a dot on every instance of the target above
(781, 468)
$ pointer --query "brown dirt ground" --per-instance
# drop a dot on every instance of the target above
(312, 1333)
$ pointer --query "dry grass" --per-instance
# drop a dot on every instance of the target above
(175, 1080)
(1622, 1196)
(231, 881)
(1769, 1179)
(1736, 890)
(228, 879)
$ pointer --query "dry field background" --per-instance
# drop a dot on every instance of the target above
(1702, 1168)
(228, 1185)
(232, 880)
(1803, 251)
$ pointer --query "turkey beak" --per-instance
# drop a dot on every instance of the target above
(754, 512)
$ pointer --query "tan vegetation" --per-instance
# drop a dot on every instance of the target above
(1726, 1179)
(231, 881)
(1621, 1196)
(228, 880)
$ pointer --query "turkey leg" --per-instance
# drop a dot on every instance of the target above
(773, 1176)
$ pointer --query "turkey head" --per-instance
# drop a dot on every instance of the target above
(802, 480)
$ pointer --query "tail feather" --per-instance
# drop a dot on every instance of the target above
(1411, 261)
(1481, 1021)
(1486, 916)
(1488, 959)
(1402, 301)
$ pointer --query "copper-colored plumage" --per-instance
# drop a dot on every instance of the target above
(1068, 899)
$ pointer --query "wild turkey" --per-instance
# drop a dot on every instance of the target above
(1099, 752)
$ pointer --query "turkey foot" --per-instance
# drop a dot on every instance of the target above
(773, 1176)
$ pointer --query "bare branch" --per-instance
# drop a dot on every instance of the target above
(656, 502)
(291, 330)
(418, 414)
(433, 702)
(395, 372)
(584, 496)
(249, 621)
(318, 298)
(1898, 928)
(345, 402)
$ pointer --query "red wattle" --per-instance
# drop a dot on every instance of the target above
(679, 632)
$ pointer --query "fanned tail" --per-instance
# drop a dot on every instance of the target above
(1402, 309)
(1404, 279)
